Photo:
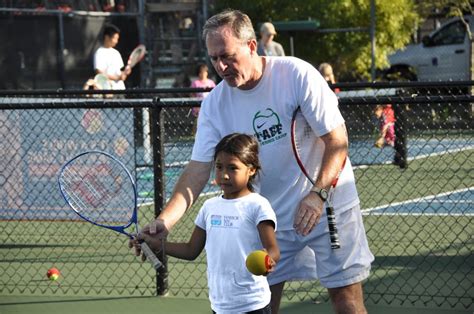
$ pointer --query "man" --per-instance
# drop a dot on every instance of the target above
(258, 96)
(108, 61)
(266, 45)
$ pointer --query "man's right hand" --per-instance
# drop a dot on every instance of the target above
(153, 234)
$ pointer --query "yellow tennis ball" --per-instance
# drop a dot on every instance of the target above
(53, 274)
(258, 262)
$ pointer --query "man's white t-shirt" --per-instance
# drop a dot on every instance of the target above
(266, 111)
(231, 235)
(109, 61)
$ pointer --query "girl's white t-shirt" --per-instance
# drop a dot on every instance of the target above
(266, 112)
(109, 60)
(231, 235)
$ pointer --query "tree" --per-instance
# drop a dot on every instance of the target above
(446, 8)
(348, 52)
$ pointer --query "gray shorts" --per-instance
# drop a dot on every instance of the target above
(311, 257)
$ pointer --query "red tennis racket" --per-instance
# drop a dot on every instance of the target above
(302, 136)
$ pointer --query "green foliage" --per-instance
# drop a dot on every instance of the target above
(449, 8)
(348, 52)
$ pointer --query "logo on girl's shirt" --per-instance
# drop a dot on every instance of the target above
(224, 221)
(216, 220)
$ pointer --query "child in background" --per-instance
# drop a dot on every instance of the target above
(230, 227)
(326, 71)
(203, 81)
(386, 119)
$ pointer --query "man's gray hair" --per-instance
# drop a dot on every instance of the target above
(238, 21)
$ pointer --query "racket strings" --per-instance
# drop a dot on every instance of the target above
(304, 141)
(103, 193)
(136, 55)
(70, 180)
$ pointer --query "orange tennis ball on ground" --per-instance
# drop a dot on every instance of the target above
(53, 274)
(258, 262)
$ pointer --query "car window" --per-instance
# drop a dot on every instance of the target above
(452, 34)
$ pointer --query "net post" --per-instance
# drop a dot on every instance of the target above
(157, 131)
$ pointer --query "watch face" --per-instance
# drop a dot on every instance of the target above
(324, 194)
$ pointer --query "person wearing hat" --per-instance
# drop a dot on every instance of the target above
(266, 45)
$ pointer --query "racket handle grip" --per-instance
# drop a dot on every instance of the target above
(334, 236)
(155, 262)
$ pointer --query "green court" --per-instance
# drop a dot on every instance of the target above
(60, 305)
(423, 259)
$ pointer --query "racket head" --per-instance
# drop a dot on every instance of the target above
(100, 189)
(137, 55)
(303, 140)
(102, 81)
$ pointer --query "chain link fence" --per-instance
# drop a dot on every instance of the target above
(416, 191)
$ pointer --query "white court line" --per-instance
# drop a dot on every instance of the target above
(449, 151)
(420, 199)
(453, 201)
(418, 214)
(149, 201)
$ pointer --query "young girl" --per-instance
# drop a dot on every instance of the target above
(230, 227)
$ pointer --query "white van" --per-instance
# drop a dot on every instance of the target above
(442, 56)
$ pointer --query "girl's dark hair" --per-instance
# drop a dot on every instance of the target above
(245, 148)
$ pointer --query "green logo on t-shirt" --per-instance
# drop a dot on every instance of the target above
(267, 126)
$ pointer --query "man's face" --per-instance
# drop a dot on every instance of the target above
(231, 57)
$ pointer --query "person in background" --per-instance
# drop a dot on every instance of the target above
(266, 45)
(386, 123)
(203, 81)
(326, 71)
(108, 61)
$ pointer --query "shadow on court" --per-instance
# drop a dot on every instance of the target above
(170, 305)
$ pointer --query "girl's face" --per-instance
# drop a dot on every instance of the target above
(232, 175)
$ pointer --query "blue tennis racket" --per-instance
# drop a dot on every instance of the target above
(100, 189)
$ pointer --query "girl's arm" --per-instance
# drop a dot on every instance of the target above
(266, 230)
(188, 251)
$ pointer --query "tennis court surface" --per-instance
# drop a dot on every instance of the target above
(419, 219)
(61, 305)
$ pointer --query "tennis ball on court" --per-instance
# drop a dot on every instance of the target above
(258, 262)
(53, 274)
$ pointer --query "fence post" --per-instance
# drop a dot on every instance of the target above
(158, 184)
(400, 147)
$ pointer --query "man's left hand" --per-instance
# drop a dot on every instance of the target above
(308, 214)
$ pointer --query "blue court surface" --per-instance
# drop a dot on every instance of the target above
(452, 203)
(361, 153)
(364, 152)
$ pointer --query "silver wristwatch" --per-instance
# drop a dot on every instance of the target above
(322, 193)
